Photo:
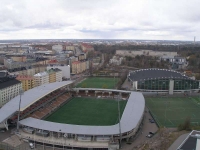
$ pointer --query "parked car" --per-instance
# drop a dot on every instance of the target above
(151, 120)
(2, 131)
(31, 145)
(150, 134)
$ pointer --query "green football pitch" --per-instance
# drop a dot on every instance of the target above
(99, 82)
(170, 112)
(88, 111)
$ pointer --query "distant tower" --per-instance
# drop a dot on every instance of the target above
(194, 39)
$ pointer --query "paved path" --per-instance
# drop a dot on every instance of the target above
(126, 85)
(13, 141)
(178, 142)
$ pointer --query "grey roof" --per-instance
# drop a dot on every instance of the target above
(3, 74)
(7, 82)
(98, 89)
(130, 118)
(154, 73)
(29, 97)
(190, 143)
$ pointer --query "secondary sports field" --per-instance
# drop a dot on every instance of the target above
(99, 82)
(88, 111)
(170, 112)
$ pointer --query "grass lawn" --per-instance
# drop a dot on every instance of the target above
(99, 82)
(170, 112)
(88, 111)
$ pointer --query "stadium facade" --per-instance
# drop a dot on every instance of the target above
(41, 101)
(162, 80)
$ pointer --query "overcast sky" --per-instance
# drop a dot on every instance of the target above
(100, 19)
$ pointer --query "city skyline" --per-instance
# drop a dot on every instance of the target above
(145, 19)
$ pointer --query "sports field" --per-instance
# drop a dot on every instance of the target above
(99, 82)
(88, 111)
(170, 112)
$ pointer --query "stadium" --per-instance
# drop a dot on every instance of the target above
(60, 116)
(162, 80)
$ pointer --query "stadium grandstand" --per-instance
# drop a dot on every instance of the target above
(162, 80)
(32, 101)
(42, 101)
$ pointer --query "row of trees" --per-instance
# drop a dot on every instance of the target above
(144, 62)
(177, 48)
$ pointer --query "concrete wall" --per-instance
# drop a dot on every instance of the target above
(171, 87)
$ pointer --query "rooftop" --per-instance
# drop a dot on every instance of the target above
(191, 142)
(52, 70)
(56, 69)
(129, 120)
(41, 74)
(154, 73)
(76, 62)
(7, 82)
(86, 45)
(3, 74)
(24, 77)
(53, 61)
(29, 97)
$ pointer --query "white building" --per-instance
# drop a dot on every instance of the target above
(65, 70)
(174, 59)
(41, 78)
(116, 60)
(176, 62)
(58, 48)
(134, 53)
(9, 88)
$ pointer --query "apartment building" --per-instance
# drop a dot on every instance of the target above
(55, 75)
(27, 81)
(10, 64)
(28, 72)
(70, 48)
(41, 78)
(82, 56)
(58, 75)
(52, 75)
(86, 47)
(76, 67)
(19, 58)
(65, 69)
(79, 66)
(9, 88)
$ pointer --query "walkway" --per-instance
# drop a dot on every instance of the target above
(13, 141)
(141, 137)
(63, 141)
(178, 141)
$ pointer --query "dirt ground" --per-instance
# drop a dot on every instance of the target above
(161, 141)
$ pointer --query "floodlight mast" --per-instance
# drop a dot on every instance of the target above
(20, 93)
(120, 135)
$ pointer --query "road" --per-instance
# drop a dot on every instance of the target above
(141, 138)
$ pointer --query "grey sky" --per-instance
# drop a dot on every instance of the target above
(110, 19)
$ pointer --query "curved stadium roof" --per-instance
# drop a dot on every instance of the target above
(154, 73)
(29, 97)
(131, 116)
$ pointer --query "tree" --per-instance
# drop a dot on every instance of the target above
(186, 125)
